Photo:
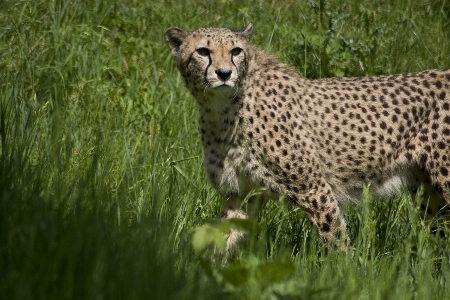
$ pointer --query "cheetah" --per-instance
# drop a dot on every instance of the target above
(315, 142)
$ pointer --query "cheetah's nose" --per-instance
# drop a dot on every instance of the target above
(223, 74)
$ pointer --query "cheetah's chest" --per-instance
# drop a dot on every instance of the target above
(230, 165)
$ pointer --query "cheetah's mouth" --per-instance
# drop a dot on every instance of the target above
(222, 84)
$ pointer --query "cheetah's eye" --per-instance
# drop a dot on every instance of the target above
(236, 51)
(203, 51)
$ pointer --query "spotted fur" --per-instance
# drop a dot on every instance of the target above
(318, 142)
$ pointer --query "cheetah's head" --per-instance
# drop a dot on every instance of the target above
(211, 60)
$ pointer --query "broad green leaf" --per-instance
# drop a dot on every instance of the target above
(236, 275)
(272, 272)
(239, 224)
(207, 235)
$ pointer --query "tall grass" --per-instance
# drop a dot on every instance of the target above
(102, 189)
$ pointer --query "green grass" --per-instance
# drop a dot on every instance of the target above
(102, 189)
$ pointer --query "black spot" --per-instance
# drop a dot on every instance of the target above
(438, 189)
(325, 227)
(329, 218)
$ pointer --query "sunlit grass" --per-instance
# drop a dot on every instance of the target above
(101, 179)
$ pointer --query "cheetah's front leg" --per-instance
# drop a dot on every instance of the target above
(236, 209)
(233, 210)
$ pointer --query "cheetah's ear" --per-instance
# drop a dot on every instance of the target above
(174, 38)
(246, 32)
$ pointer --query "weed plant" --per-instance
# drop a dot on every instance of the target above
(102, 189)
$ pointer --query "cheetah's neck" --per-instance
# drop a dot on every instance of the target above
(218, 123)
